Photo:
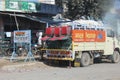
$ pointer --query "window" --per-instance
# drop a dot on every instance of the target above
(110, 33)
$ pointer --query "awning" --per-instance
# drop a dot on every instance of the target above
(36, 18)
(31, 17)
(54, 38)
(58, 38)
(45, 38)
(63, 37)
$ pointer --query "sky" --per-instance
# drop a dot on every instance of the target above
(112, 17)
(117, 4)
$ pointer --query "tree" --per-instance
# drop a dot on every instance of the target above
(91, 8)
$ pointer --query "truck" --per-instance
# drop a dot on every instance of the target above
(81, 42)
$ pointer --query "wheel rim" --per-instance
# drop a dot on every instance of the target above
(85, 59)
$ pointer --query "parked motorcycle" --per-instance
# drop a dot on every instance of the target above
(36, 50)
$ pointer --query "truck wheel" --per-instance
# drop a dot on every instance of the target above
(85, 59)
(115, 57)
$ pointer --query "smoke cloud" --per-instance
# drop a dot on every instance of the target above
(112, 17)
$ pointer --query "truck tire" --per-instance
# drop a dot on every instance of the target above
(85, 59)
(115, 57)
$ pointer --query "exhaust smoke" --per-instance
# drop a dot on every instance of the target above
(112, 17)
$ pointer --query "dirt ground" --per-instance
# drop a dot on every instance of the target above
(39, 70)
(20, 65)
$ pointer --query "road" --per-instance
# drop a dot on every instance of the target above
(101, 71)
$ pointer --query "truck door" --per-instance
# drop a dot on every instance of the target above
(109, 45)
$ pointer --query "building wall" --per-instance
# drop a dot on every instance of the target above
(47, 1)
(43, 1)
(28, 6)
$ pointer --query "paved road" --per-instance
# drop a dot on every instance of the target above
(101, 71)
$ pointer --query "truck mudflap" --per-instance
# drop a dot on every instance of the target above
(58, 54)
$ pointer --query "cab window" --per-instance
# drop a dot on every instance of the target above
(110, 33)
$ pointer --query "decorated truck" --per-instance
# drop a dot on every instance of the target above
(81, 42)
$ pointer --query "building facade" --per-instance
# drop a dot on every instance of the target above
(26, 14)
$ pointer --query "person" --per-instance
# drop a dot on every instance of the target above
(39, 38)
(41, 44)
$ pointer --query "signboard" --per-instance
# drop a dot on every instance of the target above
(78, 35)
(100, 36)
(21, 6)
(22, 36)
(29, 6)
(88, 36)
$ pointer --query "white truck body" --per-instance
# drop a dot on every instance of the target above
(88, 49)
